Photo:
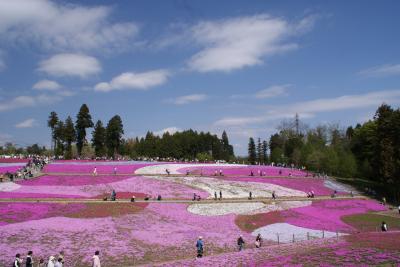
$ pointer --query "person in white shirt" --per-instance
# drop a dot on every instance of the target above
(96, 259)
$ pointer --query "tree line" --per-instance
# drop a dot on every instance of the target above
(370, 150)
(108, 141)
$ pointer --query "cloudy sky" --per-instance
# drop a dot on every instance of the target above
(242, 66)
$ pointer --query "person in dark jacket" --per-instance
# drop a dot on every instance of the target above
(29, 260)
(17, 261)
(240, 242)
(200, 247)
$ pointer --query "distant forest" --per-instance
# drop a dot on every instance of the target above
(69, 141)
(370, 150)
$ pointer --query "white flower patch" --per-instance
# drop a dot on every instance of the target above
(250, 208)
(286, 232)
(173, 168)
(9, 186)
(232, 189)
(338, 187)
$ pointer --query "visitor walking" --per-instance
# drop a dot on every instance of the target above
(115, 170)
(62, 257)
(51, 262)
(399, 209)
(200, 247)
(29, 260)
(384, 227)
(220, 195)
(194, 197)
(18, 260)
(258, 241)
(240, 243)
(41, 263)
(250, 195)
(96, 259)
(273, 195)
(215, 195)
(95, 171)
(58, 263)
(113, 195)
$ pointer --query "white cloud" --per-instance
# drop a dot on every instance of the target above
(134, 81)
(379, 71)
(29, 101)
(70, 65)
(29, 123)
(186, 99)
(61, 26)
(170, 130)
(241, 42)
(308, 109)
(273, 91)
(46, 85)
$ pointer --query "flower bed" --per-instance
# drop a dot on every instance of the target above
(72, 180)
(231, 189)
(216, 209)
(302, 184)
(102, 168)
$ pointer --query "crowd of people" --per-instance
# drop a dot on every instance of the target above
(34, 166)
(53, 261)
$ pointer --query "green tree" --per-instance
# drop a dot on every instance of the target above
(259, 150)
(59, 135)
(69, 136)
(252, 155)
(83, 121)
(99, 139)
(264, 152)
(52, 123)
(114, 132)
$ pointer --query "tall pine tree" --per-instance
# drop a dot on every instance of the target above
(259, 152)
(99, 139)
(114, 133)
(52, 123)
(69, 136)
(252, 151)
(83, 121)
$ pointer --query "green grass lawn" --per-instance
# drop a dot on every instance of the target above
(371, 221)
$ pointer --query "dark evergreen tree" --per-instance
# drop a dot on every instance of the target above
(252, 155)
(59, 135)
(264, 152)
(99, 139)
(114, 132)
(69, 136)
(83, 121)
(259, 151)
(52, 123)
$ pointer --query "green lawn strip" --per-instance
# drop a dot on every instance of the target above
(371, 221)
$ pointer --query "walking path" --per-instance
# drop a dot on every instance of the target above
(172, 200)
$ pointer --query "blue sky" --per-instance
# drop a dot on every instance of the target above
(242, 66)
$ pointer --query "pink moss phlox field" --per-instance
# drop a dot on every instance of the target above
(21, 212)
(17, 195)
(88, 168)
(326, 214)
(165, 225)
(245, 170)
(71, 180)
(11, 169)
(301, 184)
(91, 186)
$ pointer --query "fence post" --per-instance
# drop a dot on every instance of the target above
(278, 237)
(308, 236)
(293, 238)
(323, 234)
